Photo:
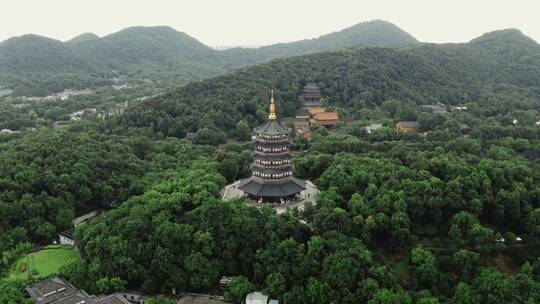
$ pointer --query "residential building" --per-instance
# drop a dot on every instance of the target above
(133, 296)
(225, 282)
(67, 237)
(258, 298)
(83, 219)
(114, 298)
(298, 123)
(306, 133)
(57, 290)
(407, 126)
(437, 109)
(458, 108)
(372, 127)
(190, 136)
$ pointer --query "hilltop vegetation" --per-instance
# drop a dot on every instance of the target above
(449, 216)
(32, 64)
(493, 75)
(365, 34)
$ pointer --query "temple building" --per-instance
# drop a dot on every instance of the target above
(327, 119)
(272, 177)
(312, 96)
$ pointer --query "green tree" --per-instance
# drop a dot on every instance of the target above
(238, 289)
(464, 294)
(387, 296)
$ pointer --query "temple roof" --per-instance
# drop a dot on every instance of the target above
(326, 116)
(290, 187)
(311, 86)
(272, 127)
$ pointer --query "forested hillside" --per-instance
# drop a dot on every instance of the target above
(493, 74)
(41, 65)
(376, 33)
(447, 215)
(34, 65)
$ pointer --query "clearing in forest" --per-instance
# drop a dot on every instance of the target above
(42, 263)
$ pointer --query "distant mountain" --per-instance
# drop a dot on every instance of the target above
(34, 54)
(375, 33)
(504, 38)
(509, 55)
(159, 53)
(83, 37)
(144, 45)
(495, 72)
(38, 65)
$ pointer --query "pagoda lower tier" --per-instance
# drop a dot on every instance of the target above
(263, 190)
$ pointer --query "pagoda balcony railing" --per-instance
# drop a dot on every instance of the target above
(273, 153)
(271, 145)
(255, 163)
(271, 180)
(271, 141)
(269, 157)
(263, 168)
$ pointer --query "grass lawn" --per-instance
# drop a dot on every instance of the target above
(46, 261)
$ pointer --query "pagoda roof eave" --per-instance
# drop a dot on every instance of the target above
(288, 188)
(272, 128)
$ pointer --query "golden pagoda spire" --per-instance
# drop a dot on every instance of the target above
(272, 114)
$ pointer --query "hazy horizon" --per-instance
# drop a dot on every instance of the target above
(247, 23)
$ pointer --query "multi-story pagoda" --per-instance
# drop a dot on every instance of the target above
(272, 177)
(312, 96)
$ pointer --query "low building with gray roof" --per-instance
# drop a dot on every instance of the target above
(51, 290)
(258, 298)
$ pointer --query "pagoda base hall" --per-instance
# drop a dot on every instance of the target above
(272, 193)
(280, 204)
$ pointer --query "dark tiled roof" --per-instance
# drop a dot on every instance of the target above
(56, 290)
(85, 217)
(272, 127)
(290, 187)
(434, 108)
(312, 86)
(69, 233)
(294, 120)
(50, 290)
(112, 299)
(530, 154)
(408, 124)
(313, 104)
(80, 297)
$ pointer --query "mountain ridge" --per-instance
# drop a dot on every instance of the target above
(148, 52)
(82, 37)
(353, 79)
(172, 58)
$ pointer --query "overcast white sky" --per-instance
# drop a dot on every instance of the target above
(255, 22)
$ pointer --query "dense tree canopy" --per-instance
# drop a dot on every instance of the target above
(446, 215)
